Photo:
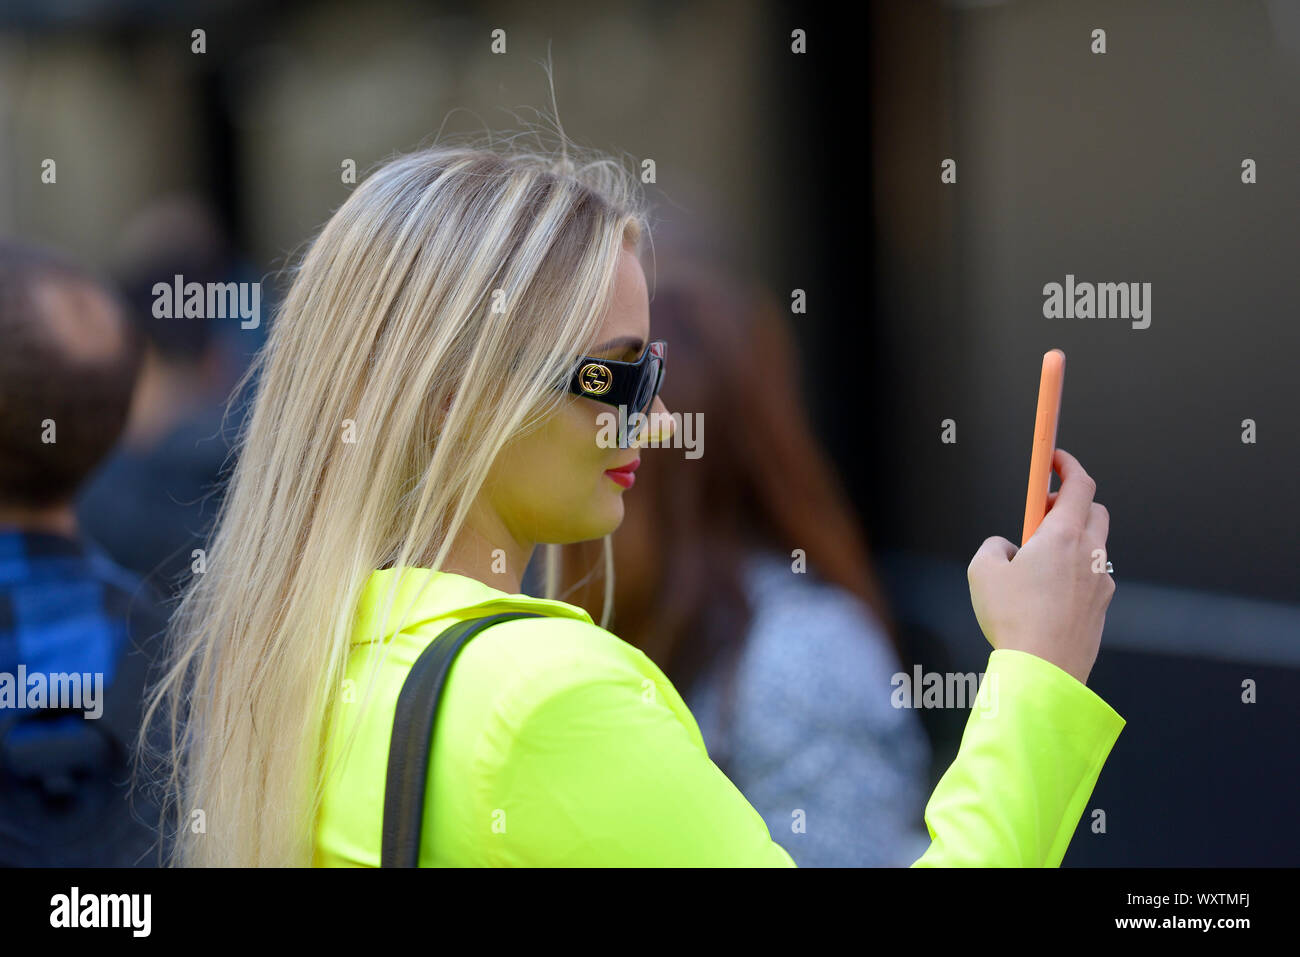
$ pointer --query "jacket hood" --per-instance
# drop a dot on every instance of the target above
(424, 595)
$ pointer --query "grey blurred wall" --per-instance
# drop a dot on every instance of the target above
(118, 103)
(1123, 166)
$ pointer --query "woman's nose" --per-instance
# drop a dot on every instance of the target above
(661, 424)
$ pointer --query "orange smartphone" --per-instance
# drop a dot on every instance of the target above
(1040, 460)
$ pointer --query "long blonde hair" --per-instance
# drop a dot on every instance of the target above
(432, 320)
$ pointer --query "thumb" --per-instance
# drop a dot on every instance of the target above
(996, 550)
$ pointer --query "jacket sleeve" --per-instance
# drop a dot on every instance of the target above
(1029, 758)
(602, 773)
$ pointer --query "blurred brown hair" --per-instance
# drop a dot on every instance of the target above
(764, 482)
(69, 356)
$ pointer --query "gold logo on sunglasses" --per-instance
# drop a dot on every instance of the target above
(595, 379)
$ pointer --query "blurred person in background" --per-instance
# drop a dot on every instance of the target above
(67, 367)
(788, 674)
(151, 503)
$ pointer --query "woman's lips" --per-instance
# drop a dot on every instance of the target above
(623, 474)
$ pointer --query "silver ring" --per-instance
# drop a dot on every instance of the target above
(1110, 569)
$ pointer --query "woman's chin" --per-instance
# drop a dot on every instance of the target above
(596, 525)
(612, 516)
(609, 517)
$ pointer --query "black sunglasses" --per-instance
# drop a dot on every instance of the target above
(629, 386)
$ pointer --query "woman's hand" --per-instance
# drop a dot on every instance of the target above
(1046, 598)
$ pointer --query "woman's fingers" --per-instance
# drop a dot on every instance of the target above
(1074, 497)
(1098, 522)
(994, 551)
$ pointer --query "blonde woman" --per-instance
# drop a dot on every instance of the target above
(420, 427)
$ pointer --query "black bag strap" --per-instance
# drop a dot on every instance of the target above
(408, 750)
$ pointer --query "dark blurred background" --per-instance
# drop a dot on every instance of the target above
(822, 173)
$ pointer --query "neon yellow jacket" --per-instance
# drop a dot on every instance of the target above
(558, 744)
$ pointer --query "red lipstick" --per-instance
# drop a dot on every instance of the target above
(623, 474)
